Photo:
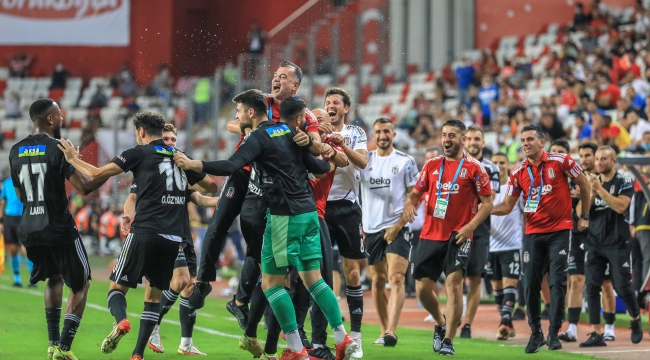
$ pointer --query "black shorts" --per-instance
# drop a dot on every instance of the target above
(11, 229)
(253, 224)
(344, 223)
(69, 260)
(478, 258)
(432, 257)
(378, 247)
(504, 264)
(576, 264)
(148, 255)
(187, 259)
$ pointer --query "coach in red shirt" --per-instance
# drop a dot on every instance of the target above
(454, 182)
(548, 224)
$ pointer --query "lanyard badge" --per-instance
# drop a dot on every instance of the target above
(531, 205)
(440, 209)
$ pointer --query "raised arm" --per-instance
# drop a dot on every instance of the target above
(93, 173)
(83, 184)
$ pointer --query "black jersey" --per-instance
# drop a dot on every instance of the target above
(483, 229)
(188, 229)
(607, 228)
(160, 187)
(281, 165)
(39, 170)
(255, 189)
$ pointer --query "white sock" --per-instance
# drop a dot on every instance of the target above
(317, 346)
(339, 334)
(293, 341)
(185, 341)
(609, 328)
(573, 329)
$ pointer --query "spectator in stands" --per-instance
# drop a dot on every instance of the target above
(228, 82)
(608, 94)
(635, 125)
(464, 78)
(12, 105)
(99, 99)
(608, 133)
(59, 77)
(161, 86)
(424, 131)
(202, 100)
(256, 37)
(642, 24)
(583, 130)
(645, 142)
(19, 64)
(487, 94)
(580, 18)
(325, 63)
(552, 126)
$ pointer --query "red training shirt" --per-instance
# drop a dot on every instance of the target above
(554, 208)
(321, 187)
(473, 181)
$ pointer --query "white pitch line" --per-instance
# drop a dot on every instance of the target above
(610, 351)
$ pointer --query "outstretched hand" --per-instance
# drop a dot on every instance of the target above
(69, 151)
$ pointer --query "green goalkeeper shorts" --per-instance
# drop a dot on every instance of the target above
(291, 240)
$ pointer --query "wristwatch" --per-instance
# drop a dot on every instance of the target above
(585, 216)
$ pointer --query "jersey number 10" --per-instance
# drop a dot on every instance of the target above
(25, 176)
(174, 175)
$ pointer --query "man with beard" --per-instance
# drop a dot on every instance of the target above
(385, 183)
(548, 226)
(47, 229)
(504, 265)
(455, 183)
(343, 213)
(481, 241)
(238, 189)
(155, 241)
(607, 246)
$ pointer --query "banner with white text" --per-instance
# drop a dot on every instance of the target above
(65, 22)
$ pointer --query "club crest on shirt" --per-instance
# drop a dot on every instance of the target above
(516, 257)
(231, 192)
(526, 257)
(347, 140)
(395, 170)
(463, 173)
(551, 174)
(612, 189)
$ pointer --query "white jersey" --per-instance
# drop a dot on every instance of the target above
(418, 222)
(346, 179)
(506, 232)
(383, 188)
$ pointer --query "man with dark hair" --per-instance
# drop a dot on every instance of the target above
(182, 282)
(343, 213)
(155, 241)
(455, 183)
(548, 224)
(504, 266)
(564, 147)
(385, 183)
(285, 84)
(607, 245)
(481, 242)
(47, 229)
(292, 235)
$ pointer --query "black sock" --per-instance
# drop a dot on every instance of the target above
(547, 306)
(70, 326)
(273, 333)
(354, 294)
(148, 321)
(187, 317)
(53, 317)
(498, 298)
(258, 307)
(117, 305)
(610, 318)
(574, 315)
(509, 298)
(167, 300)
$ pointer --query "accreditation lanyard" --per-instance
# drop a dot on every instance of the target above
(531, 205)
(440, 209)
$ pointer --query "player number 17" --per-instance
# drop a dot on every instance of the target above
(38, 169)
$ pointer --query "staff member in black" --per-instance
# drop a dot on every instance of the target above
(608, 243)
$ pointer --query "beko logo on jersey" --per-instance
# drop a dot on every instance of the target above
(379, 181)
(600, 204)
(173, 200)
(447, 186)
(547, 189)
